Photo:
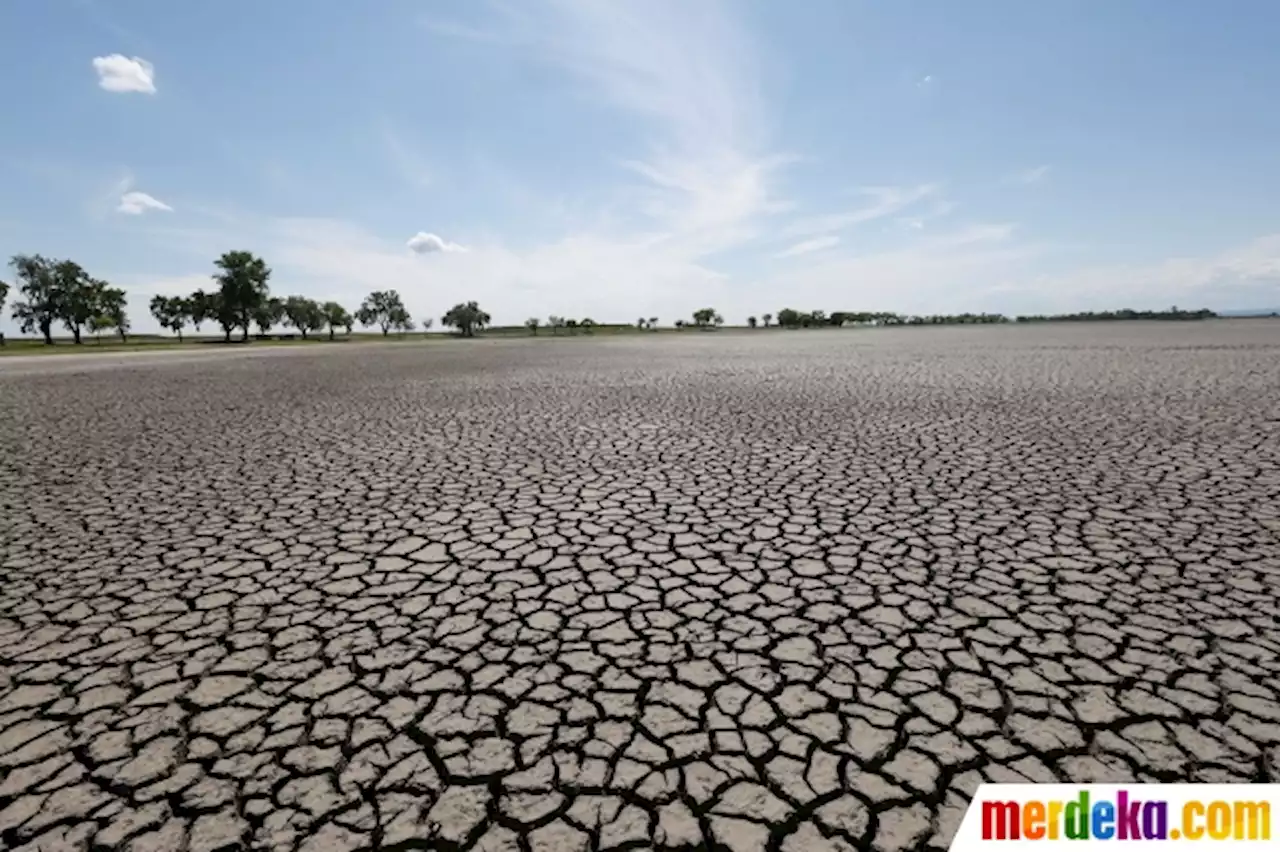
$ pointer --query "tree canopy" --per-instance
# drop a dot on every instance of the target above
(466, 317)
(62, 291)
(383, 308)
(242, 287)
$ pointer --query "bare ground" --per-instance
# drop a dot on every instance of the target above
(796, 591)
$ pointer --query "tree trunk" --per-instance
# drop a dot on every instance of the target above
(226, 335)
(179, 335)
(331, 332)
(46, 328)
(304, 333)
(385, 330)
(75, 334)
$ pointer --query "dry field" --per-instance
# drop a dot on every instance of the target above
(798, 591)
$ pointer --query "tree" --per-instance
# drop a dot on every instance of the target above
(200, 308)
(532, 324)
(702, 317)
(751, 321)
(97, 324)
(427, 322)
(243, 288)
(4, 293)
(587, 324)
(172, 312)
(788, 318)
(304, 314)
(572, 325)
(77, 296)
(267, 314)
(653, 323)
(336, 316)
(224, 316)
(556, 323)
(818, 317)
(383, 308)
(767, 318)
(717, 320)
(38, 308)
(112, 305)
(679, 323)
(640, 323)
(466, 317)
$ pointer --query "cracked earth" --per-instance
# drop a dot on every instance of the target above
(788, 591)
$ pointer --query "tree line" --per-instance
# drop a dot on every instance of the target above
(53, 291)
(60, 291)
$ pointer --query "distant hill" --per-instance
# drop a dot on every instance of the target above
(1250, 312)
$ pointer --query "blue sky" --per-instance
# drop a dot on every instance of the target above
(620, 158)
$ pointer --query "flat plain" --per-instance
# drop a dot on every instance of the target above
(798, 591)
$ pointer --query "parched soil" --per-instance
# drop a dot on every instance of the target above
(799, 591)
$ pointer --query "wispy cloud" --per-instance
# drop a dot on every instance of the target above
(809, 246)
(924, 82)
(1027, 177)
(425, 243)
(120, 73)
(136, 203)
(706, 171)
(882, 201)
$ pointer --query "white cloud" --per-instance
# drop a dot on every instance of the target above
(924, 81)
(424, 243)
(1028, 177)
(885, 201)
(137, 203)
(808, 246)
(706, 172)
(120, 73)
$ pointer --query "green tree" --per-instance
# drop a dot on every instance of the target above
(268, 314)
(751, 321)
(200, 308)
(97, 324)
(717, 320)
(383, 308)
(653, 323)
(556, 323)
(587, 324)
(113, 305)
(788, 318)
(171, 312)
(703, 317)
(4, 294)
(767, 318)
(304, 314)
(38, 308)
(336, 316)
(640, 323)
(466, 317)
(427, 322)
(242, 287)
(532, 324)
(78, 296)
